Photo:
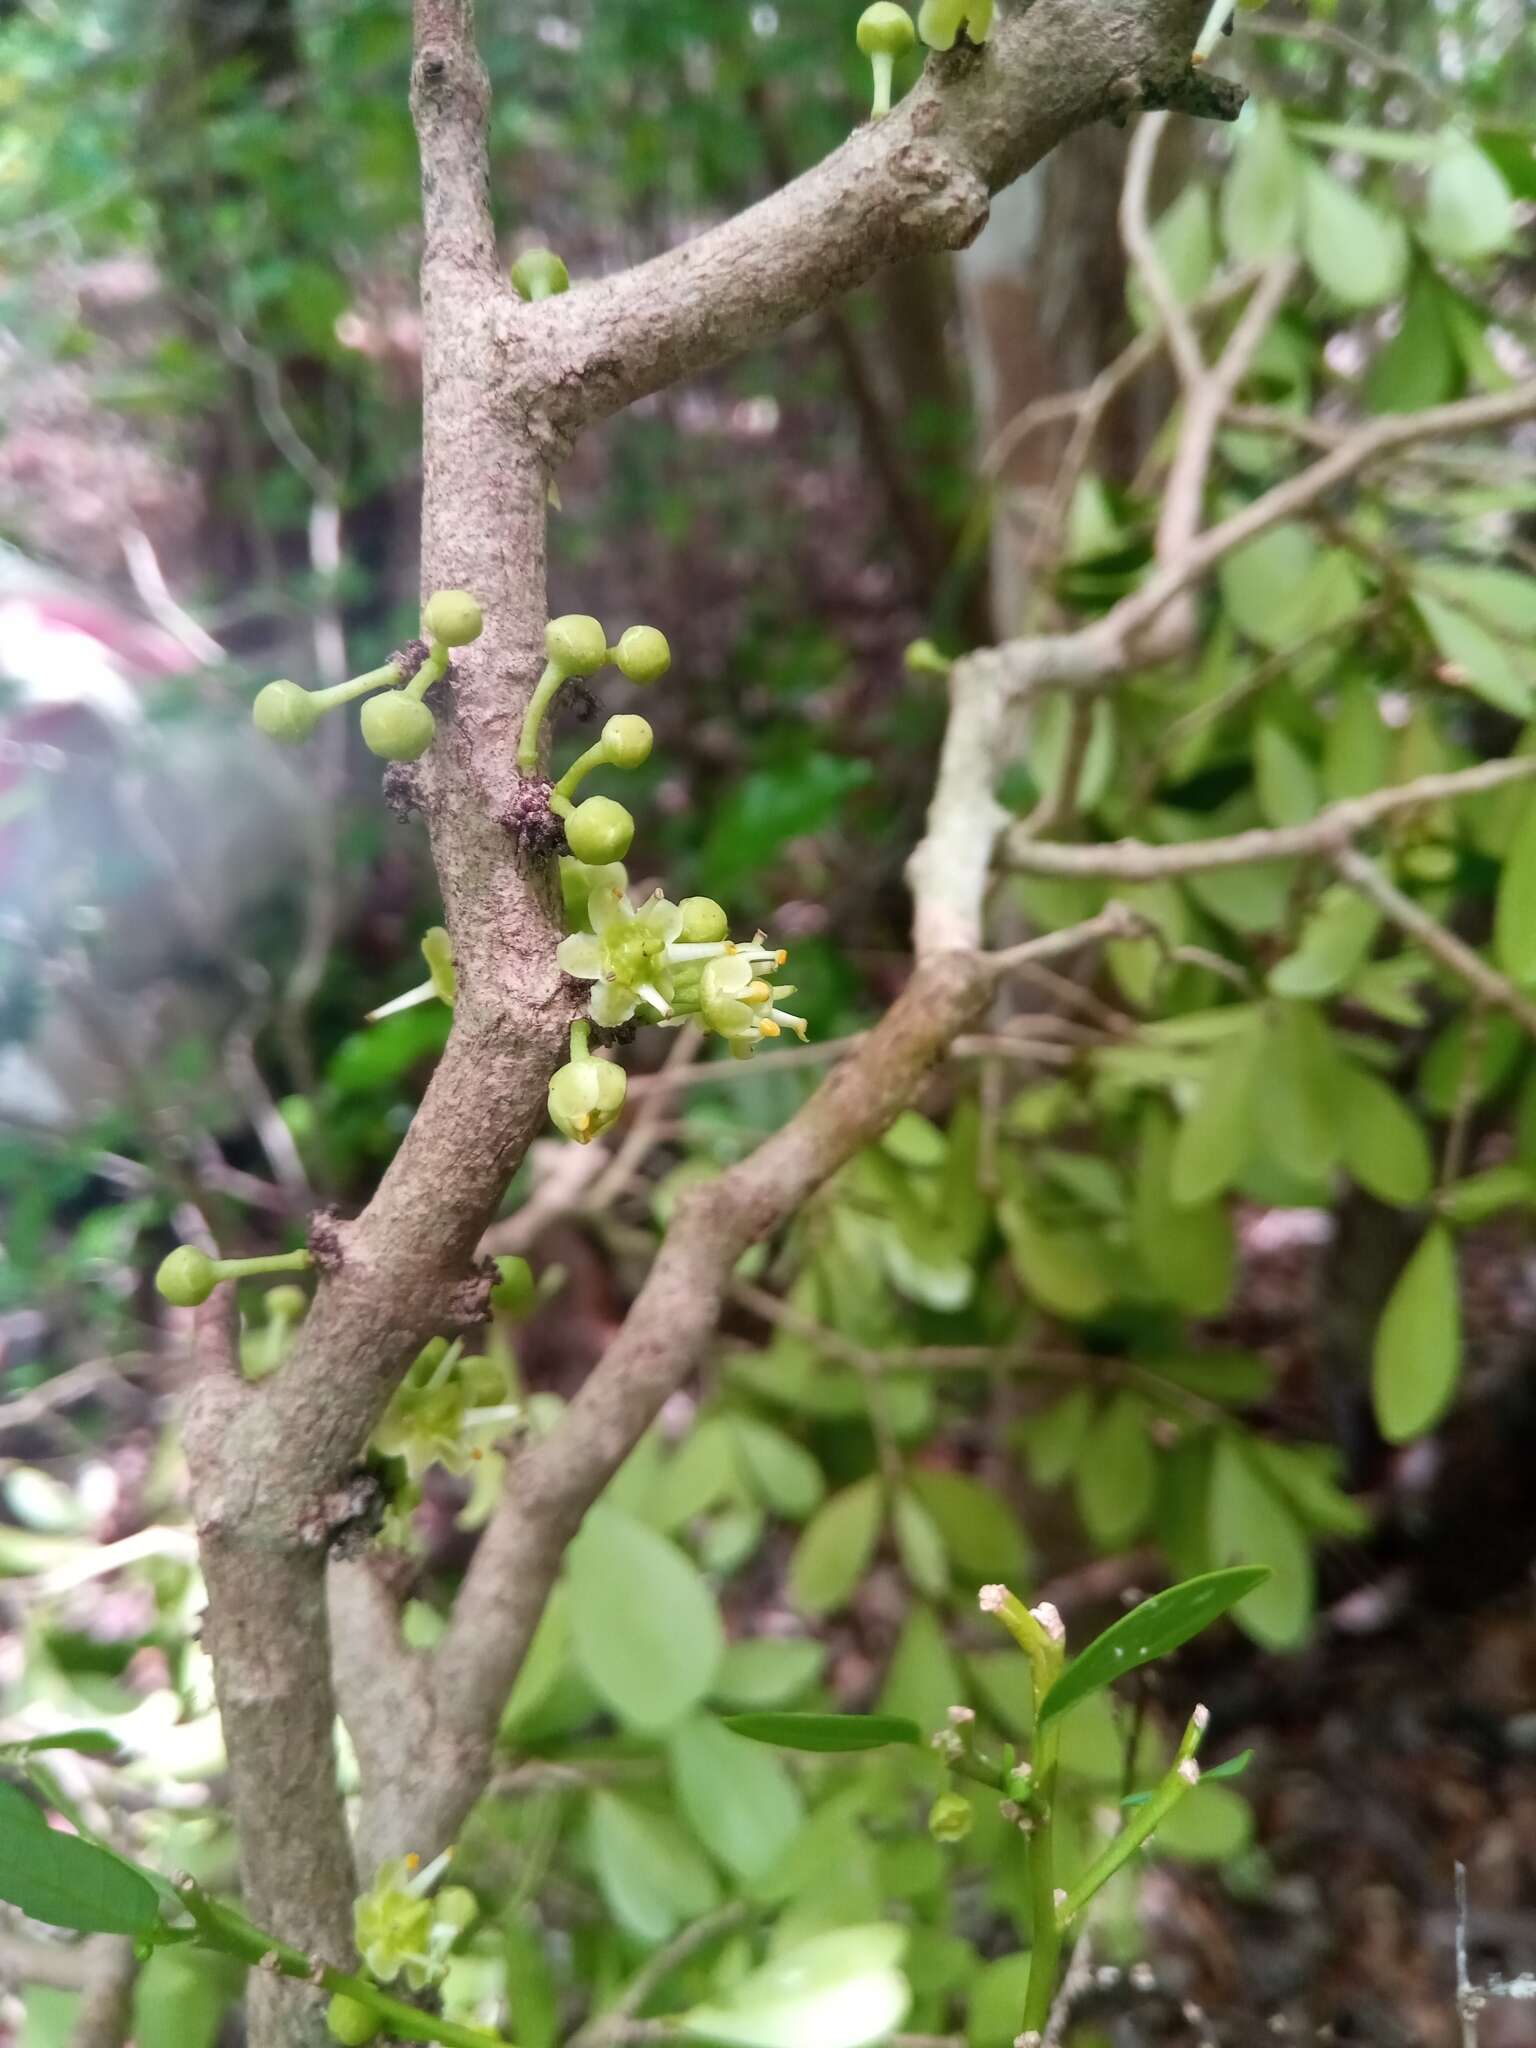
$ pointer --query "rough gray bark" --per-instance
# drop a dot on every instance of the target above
(507, 388)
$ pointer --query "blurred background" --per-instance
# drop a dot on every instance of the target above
(209, 475)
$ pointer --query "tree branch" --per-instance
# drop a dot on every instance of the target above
(1137, 860)
(920, 179)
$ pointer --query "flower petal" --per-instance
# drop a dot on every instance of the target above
(612, 1005)
(581, 955)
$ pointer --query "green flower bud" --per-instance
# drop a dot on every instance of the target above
(585, 1098)
(627, 740)
(922, 658)
(453, 618)
(884, 33)
(950, 1818)
(704, 922)
(285, 712)
(396, 727)
(455, 1906)
(539, 274)
(514, 1292)
(286, 1304)
(940, 21)
(187, 1277)
(576, 644)
(350, 2021)
(643, 654)
(599, 830)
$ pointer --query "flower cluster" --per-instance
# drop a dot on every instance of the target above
(402, 1930)
(661, 963)
(449, 1410)
(397, 724)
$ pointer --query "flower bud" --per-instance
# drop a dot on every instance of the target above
(286, 1304)
(576, 644)
(643, 654)
(950, 1817)
(396, 727)
(514, 1291)
(627, 740)
(940, 21)
(599, 830)
(923, 658)
(350, 2021)
(453, 618)
(186, 1277)
(539, 274)
(586, 1097)
(455, 1906)
(884, 33)
(704, 922)
(285, 712)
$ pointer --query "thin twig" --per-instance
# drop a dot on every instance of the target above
(1436, 939)
(1138, 860)
(609, 2027)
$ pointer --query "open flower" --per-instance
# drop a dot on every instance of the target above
(737, 1003)
(401, 1931)
(625, 953)
(448, 1410)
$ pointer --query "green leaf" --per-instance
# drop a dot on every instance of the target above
(1053, 1439)
(920, 1545)
(768, 1671)
(839, 1990)
(834, 1551)
(1117, 1473)
(700, 1472)
(1284, 779)
(644, 1625)
(1357, 746)
(1261, 194)
(1357, 252)
(1297, 1106)
(1335, 943)
(1306, 1475)
(825, 1732)
(1215, 1139)
(782, 1472)
(1238, 1378)
(997, 1999)
(740, 1801)
(1153, 1629)
(1420, 365)
(1385, 1147)
(68, 1882)
(1063, 1270)
(651, 1876)
(1260, 579)
(1210, 1824)
(1474, 656)
(1385, 145)
(1185, 240)
(982, 1533)
(1417, 1357)
(1251, 1523)
(1468, 207)
(84, 1741)
(1487, 1194)
(1492, 1052)
(1187, 1252)
(923, 1680)
(1514, 922)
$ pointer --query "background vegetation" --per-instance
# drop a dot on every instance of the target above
(1217, 1254)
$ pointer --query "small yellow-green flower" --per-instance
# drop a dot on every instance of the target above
(448, 1410)
(404, 1932)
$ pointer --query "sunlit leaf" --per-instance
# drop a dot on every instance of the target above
(1416, 1361)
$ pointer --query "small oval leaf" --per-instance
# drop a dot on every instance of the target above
(1417, 1358)
(1151, 1630)
(826, 1732)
